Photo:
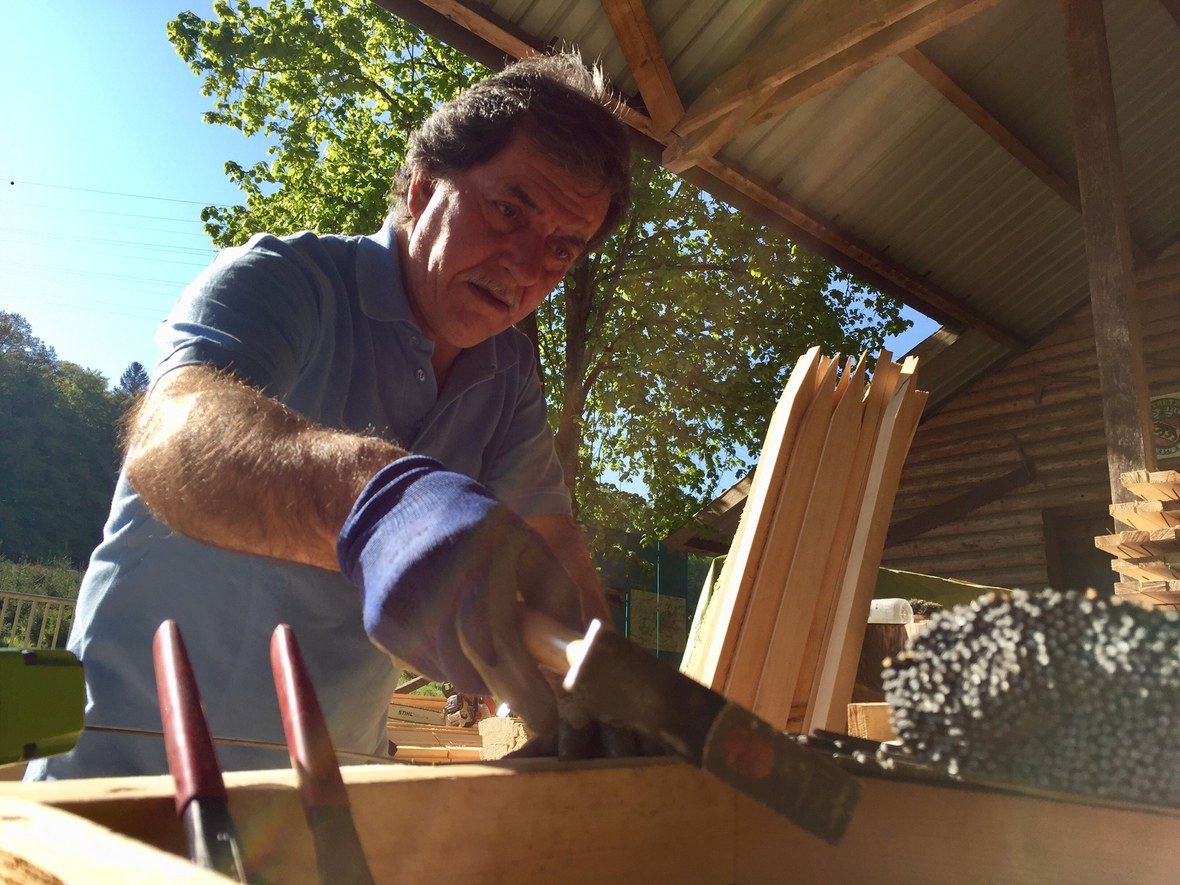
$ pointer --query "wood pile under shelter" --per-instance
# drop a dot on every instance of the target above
(1147, 558)
(781, 632)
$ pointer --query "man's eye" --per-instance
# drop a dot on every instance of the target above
(506, 209)
(562, 251)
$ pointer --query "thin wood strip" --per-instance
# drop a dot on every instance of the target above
(785, 512)
(799, 596)
(838, 670)
(1155, 485)
(1147, 515)
(728, 604)
(886, 376)
(1139, 544)
(1146, 569)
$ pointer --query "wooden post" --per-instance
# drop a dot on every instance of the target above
(1117, 337)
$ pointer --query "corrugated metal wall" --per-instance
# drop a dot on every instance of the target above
(1045, 408)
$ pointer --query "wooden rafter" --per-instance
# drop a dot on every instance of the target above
(924, 296)
(981, 117)
(794, 220)
(999, 133)
(808, 61)
(641, 48)
(1173, 7)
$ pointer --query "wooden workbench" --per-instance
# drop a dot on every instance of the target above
(644, 821)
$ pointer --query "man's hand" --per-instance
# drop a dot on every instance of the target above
(443, 568)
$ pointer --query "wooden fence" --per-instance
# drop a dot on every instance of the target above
(28, 621)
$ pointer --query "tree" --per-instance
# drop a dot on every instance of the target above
(662, 355)
(134, 380)
(57, 433)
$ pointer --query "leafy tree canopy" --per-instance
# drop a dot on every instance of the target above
(58, 436)
(663, 355)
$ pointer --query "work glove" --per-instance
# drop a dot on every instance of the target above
(443, 568)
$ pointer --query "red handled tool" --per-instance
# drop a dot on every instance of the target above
(339, 855)
(201, 800)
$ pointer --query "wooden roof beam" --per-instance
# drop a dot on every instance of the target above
(999, 133)
(828, 47)
(917, 292)
(1118, 340)
(939, 305)
(637, 38)
(1173, 6)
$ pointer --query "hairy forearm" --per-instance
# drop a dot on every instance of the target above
(218, 461)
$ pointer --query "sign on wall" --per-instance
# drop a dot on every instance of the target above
(1165, 422)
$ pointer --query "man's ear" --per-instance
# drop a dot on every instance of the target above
(419, 192)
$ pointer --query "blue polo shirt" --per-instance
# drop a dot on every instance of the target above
(322, 324)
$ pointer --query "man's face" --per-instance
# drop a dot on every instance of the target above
(488, 244)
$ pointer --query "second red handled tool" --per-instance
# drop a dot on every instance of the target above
(339, 855)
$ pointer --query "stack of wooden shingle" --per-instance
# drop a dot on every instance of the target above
(1147, 558)
(781, 632)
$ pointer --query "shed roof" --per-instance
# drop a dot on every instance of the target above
(925, 145)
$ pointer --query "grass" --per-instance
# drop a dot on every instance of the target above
(59, 579)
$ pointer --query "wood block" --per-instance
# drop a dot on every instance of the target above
(872, 722)
(1155, 485)
(1146, 569)
(42, 845)
(1150, 592)
(708, 660)
(1147, 515)
(500, 736)
(1139, 544)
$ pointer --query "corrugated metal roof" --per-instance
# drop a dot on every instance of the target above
(887, 160)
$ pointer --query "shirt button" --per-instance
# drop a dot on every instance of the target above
(415, 340)
(420, 374)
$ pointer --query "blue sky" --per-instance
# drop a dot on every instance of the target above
(105, 165)
(112, 164)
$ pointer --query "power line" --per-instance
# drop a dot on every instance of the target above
(89, 190)
(27, 205)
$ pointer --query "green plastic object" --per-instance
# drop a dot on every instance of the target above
(42, 700)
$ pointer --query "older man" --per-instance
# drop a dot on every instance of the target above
(346, 434)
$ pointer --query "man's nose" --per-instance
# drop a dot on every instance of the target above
(523, 256)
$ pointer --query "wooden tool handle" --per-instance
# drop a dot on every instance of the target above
(551, 644)
(187, 741)
(308, 740)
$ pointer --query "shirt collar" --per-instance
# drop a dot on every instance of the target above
(382, 295)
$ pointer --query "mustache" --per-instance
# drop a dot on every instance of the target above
(496, 287)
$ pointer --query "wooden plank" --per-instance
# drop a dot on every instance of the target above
(42, 845)
(872, 722)
(1108, 245)
(886, 375)
(1139, 544)
(636, 37)
(1154, 593)
(816, 31)
(922, 833)
(1153, 485)
(784, 660)
(545, 821)
(1148, 569)
(708, 661)
(518, 821)
(783, 518)
(837, 671)
(687, 148)
(1147, 515)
